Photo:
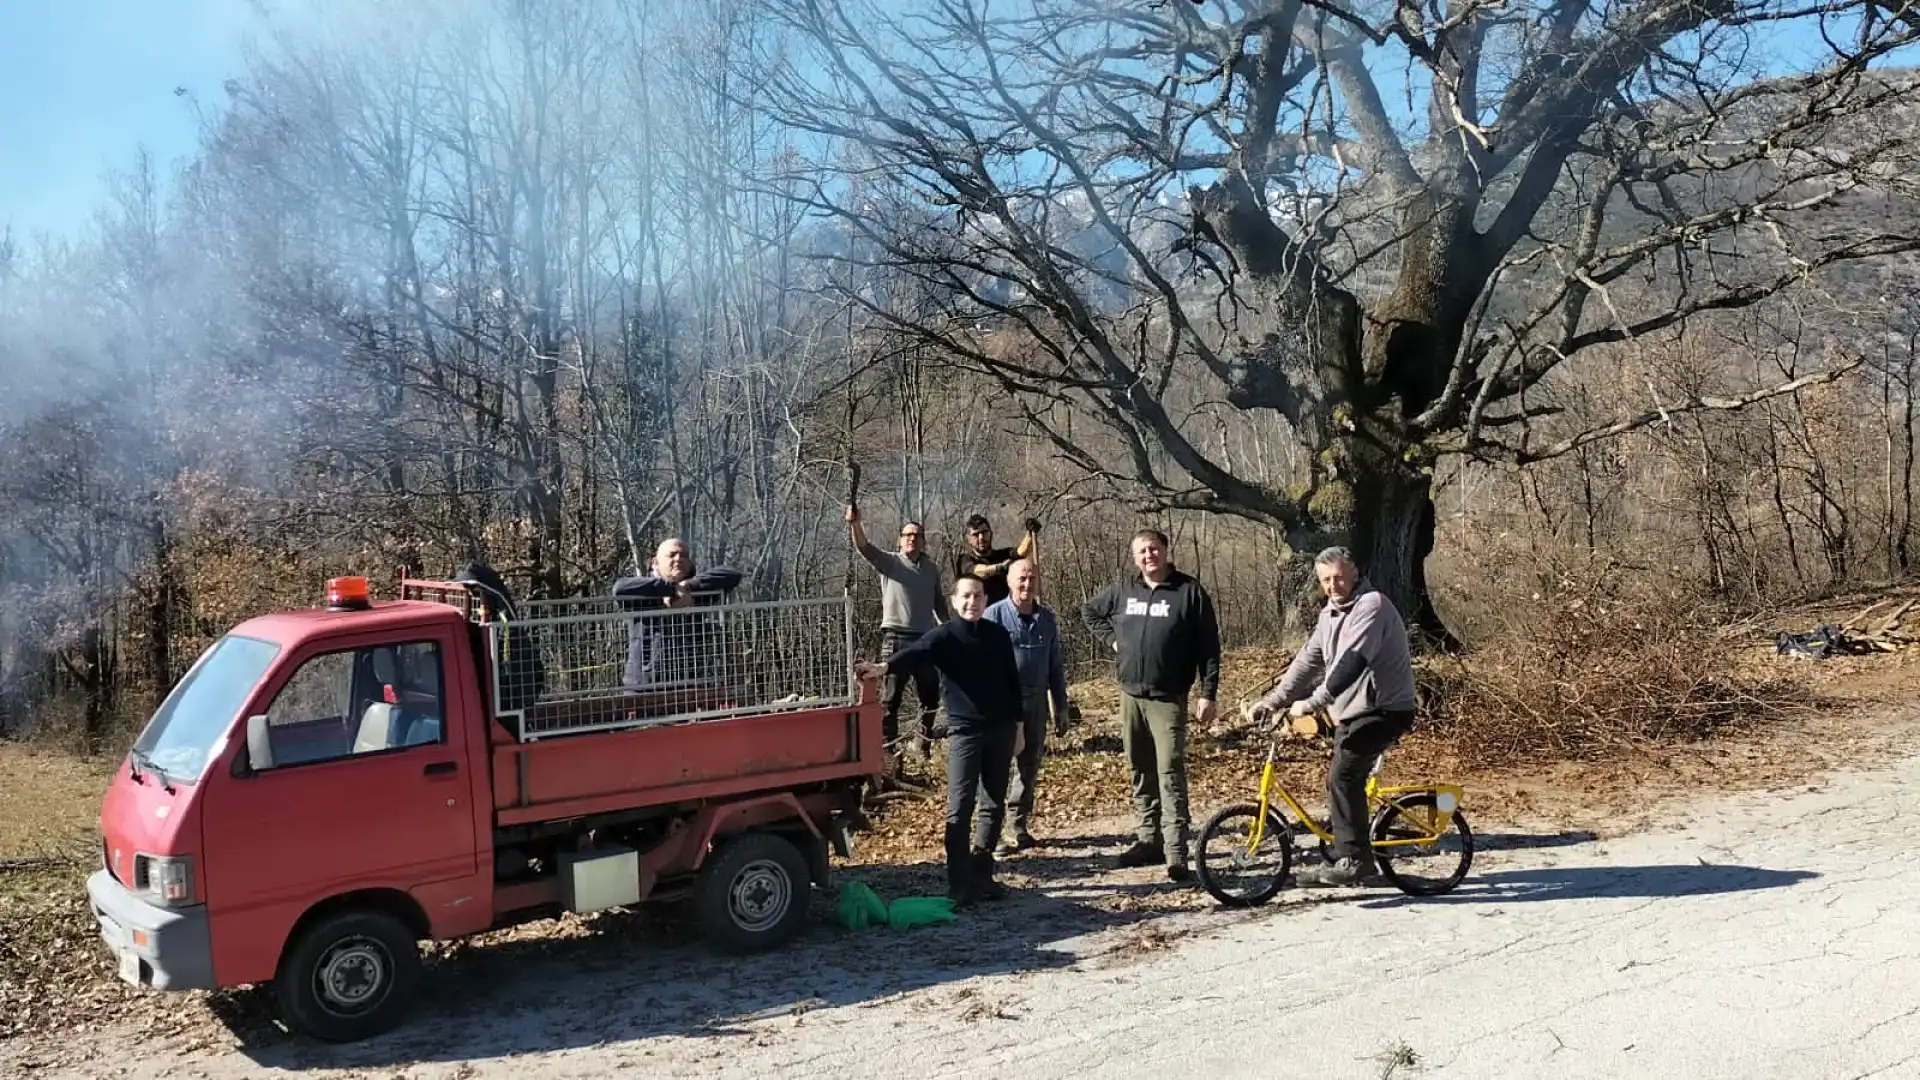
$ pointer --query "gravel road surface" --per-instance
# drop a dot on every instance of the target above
(1767, 935)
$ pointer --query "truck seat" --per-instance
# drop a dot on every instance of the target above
(376, 727)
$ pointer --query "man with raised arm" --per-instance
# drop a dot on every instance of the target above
(978, 558)
(1357, 666)
(909, 607)
(1160, 624)
(656, 652)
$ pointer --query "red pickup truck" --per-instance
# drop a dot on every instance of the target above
(325, 789)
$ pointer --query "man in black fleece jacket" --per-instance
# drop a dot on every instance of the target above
(1160, 624)
(980, 687)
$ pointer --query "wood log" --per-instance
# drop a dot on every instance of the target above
(1857, 620)
(1893, 620)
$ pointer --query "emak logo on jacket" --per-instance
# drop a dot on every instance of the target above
(1159, 609)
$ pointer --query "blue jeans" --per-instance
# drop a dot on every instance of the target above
(1026, 764)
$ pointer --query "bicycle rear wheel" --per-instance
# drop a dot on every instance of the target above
(1237, 872)
(1424, 869)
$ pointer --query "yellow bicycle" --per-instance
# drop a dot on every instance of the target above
(1245, 850)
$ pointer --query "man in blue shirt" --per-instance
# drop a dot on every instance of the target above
(1043, 680)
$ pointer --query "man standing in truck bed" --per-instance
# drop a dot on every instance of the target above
(978, 558)
(1160, 624)
(909, 607)
(665, 650)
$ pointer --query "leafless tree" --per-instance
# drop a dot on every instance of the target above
(1386, 225)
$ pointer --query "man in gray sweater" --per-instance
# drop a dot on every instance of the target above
(909, 607)
(1357, 667)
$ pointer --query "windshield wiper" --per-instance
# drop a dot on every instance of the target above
(137, 759)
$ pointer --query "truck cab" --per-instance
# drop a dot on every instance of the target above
(324, 789)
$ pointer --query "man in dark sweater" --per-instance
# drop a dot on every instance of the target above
(1160, 624)
(666, 649)
(980, 687)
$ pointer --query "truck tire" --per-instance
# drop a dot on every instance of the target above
(752, 894)
(349, 976)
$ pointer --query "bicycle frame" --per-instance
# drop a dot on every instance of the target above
(1446, 798)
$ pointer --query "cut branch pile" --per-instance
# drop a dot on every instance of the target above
(1885, 634)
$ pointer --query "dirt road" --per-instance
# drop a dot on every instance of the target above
(1771, 935)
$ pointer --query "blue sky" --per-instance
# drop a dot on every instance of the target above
(83, 82)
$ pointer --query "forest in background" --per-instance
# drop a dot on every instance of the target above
(546, 283)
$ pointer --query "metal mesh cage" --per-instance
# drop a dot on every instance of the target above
(587, 665)
(444, 592)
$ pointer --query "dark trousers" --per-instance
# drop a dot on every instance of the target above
(978, 761)
(1357, 745)
(1026, 764)
(926, 686)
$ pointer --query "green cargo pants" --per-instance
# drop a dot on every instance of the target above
(1155, 736)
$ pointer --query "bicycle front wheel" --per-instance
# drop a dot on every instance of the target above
(1428, 861)
(1237, 871)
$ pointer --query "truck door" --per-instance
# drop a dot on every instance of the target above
(371, 785)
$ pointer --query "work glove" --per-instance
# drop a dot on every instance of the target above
(1033, 525)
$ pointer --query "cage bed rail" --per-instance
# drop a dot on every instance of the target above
(566, 667)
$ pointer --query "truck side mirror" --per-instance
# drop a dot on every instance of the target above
(259, 744)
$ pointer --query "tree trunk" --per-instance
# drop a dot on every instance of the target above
(1392, 533)
(159, 613)
(1906, 457)
(1382, 509)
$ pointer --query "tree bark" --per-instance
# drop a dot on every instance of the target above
(159, 613)
(1392, 526)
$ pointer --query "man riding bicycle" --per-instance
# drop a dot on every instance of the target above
(1357, 667)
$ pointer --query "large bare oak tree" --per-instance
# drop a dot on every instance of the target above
(1384, 225)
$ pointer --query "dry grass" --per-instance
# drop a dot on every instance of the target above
(49, 802)
(53, 972)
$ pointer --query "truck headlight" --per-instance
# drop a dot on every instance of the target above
(166, 880)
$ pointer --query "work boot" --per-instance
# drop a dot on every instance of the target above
(1179, 872)
(984, 887)
(960, 882)
(1342, 873)
(1140, 854)
(1017, 841)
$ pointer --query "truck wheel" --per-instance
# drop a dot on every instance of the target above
(753, 892)
(349, 976)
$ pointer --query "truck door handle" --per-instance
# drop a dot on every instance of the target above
(442, 768)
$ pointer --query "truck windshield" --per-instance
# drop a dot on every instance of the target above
(181, 737)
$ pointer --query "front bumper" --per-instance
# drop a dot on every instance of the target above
(162, 948)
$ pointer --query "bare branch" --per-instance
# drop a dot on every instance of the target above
(1662, 413)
